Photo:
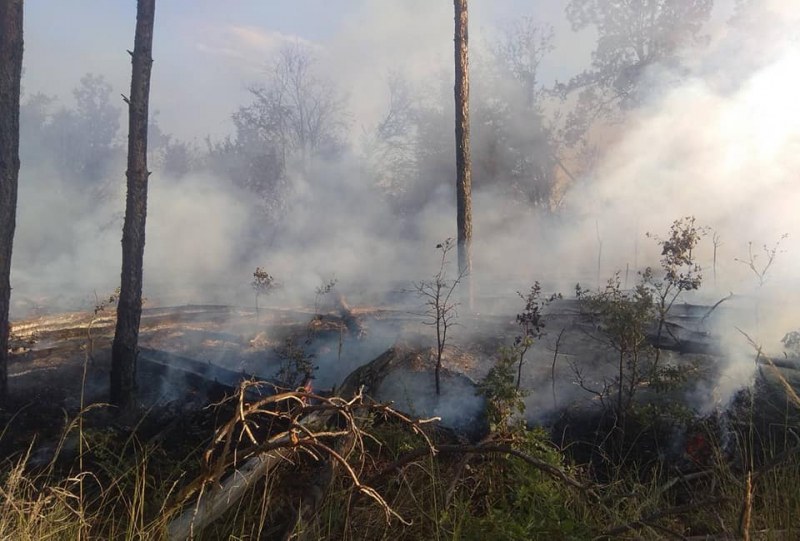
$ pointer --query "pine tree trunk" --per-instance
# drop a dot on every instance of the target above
(463, 161)
(10, 76)
(129, 310)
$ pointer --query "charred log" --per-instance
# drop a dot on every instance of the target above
(684, 340)
(352, 322)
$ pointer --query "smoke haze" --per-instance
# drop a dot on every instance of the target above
(718, 138)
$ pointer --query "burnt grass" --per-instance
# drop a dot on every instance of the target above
(183, 405)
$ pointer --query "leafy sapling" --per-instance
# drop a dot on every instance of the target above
(624, 318)
(504, 399)
(263, 283)
(680, 272)
(531, 323)
(296, 366)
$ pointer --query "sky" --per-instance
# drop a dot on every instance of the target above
(207, 52)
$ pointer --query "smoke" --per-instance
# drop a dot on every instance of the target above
(718, 141)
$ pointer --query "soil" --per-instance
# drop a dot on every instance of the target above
(193, 355)
(190, 356)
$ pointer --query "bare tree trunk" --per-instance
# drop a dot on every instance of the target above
(463, 161)
(129, 309)
(10, 75)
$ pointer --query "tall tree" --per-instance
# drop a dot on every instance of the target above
(294, 117)
(514, 121)
(463, 162)
(632, 36)
(129, 310)
(10, 77)
(82, 141)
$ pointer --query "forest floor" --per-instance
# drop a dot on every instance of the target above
(192, 357)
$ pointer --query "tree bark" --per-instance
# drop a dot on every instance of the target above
(129, 309)
(463, 161)
(10, 76)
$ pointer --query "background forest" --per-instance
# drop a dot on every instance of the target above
(621, 121)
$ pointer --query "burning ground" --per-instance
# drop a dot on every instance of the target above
(193, 354)
(285, 398)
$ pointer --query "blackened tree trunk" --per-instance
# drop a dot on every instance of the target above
(129, 310)
(463, 161)
(10, 75)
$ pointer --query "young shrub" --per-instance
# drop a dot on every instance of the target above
(325, 288)
(296, 368)
(531, 323)
(624, 319)
(504, 399)
(440, 306)
(263, 283)
(680, 271)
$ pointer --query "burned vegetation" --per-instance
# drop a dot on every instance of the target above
(453, 390)
(352, 421)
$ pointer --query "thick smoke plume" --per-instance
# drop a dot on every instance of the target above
(717, 138)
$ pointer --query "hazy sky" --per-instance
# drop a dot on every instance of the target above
(208, 51)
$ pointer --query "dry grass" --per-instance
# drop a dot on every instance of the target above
(383, 490)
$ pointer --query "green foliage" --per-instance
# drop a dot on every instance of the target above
(504, 400)
(296, 367)
(263, 283)
(522, 503)
(631, 37)
(681, 272)
(625, 318)
(531, 323)
(486, 496)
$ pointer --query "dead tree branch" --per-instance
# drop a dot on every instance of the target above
(297, 423)
(541, 465)
(646, 521)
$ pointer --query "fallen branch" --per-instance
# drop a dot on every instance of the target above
(647, 519)
(684, 479)
(353, 324)
(710, 310)
(304, 420)
(211, 504)
(541, 465)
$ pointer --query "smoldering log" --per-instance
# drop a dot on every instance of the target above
(352, 322)
(678, 338)
(197, 373)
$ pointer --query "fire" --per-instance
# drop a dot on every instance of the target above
(698, 449)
